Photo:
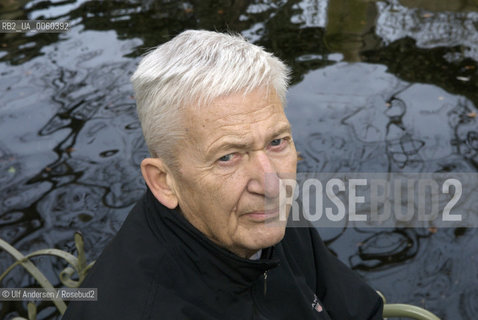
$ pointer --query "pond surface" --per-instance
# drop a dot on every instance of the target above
(378, 86)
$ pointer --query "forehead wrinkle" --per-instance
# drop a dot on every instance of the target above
(246, 113)
(244, 126)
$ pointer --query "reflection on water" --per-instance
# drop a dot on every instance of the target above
(377, 86)
(432, 24)
(356, 34)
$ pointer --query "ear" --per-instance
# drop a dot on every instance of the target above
(160, 181)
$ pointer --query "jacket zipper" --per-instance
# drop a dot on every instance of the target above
(257, 312)
(265, 282)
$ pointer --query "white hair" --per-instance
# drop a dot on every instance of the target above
(192, 70)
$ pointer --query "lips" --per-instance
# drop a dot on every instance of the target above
(263, 215)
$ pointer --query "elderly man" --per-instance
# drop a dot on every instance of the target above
(206, 241)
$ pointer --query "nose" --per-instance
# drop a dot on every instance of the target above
(264, 179)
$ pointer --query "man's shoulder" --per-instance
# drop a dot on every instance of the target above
(125, 273)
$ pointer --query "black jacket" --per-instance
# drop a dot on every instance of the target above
(160, 267)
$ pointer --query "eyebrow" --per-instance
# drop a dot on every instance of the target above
(242, 145)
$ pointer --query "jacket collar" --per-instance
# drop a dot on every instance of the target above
(222, 266)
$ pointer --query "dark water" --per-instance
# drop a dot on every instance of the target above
(377, 86)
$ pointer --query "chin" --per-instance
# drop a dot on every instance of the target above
(267, 237)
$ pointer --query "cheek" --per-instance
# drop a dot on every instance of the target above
(228, 188)
(217, 192)
(289, 163)
(228, 191)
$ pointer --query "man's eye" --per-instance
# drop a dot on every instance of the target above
(227, 157)
(276, 142)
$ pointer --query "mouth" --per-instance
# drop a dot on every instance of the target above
(263, 215)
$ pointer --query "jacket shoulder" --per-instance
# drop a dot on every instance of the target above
(125, 273)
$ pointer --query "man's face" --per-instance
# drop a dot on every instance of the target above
(222, 187)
